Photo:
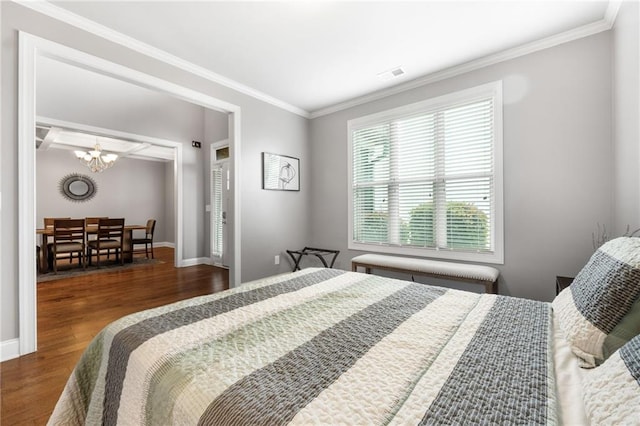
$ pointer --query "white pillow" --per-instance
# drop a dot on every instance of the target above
(612, 391)
(599, 312)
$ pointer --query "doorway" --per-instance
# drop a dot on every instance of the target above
(30, 48)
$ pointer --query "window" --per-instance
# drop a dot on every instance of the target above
(426, 179)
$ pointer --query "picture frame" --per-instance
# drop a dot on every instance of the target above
(280, 172)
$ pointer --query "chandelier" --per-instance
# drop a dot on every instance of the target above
(95, 160)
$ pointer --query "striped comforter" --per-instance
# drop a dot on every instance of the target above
(320, 346)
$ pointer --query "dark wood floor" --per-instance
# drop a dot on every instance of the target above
(70, 314)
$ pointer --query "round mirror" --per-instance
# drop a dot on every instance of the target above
(77, 187)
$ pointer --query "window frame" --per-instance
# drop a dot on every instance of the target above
(493, 90)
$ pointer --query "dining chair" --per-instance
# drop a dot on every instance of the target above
(94, 220)
(68, 237)
(147, 240)
(48, 224)
(48, 221)
(109, 236)
(92, 224)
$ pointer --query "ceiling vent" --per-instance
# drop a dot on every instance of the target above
(390, 74)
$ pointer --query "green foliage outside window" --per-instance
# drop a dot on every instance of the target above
(467, 227)
(376, 226)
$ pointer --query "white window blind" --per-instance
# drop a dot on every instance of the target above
(217, 180)
(424, 178)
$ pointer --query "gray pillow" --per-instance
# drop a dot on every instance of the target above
(599, 312)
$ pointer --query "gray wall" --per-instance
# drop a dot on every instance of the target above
(133, 189)
(557, 161)
(169, 204)
(626, 117)
(271, 222)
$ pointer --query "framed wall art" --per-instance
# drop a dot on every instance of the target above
(280, 172)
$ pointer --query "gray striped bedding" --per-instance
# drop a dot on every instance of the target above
(320, 346)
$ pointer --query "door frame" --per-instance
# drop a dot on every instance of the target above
(30, 47)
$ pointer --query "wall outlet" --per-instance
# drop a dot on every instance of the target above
(276, 260)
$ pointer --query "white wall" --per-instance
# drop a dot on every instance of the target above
(133, 189)
(626, 117)
(271, 222)
(557, 161)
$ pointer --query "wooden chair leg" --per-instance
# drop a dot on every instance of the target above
(49, 260)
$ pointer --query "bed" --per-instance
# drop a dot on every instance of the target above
(325, 346)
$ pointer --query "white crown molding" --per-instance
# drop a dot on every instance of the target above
(611, 13)
(505, 55)
(70, 18)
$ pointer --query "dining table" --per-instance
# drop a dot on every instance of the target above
(91, 229)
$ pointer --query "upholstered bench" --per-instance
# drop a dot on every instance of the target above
(477, 274)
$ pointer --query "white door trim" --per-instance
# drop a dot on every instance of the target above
(30, 47)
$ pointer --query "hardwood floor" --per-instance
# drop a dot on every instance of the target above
(70, 314)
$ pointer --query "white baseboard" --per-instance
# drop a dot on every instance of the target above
(164, 244)
(9, 349)
(185, 262)
(196, 261)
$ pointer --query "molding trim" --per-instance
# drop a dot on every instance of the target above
(505, 55)
(611, 13)
(196, 261)
(85, 24)
(9, 349)
(164, 244)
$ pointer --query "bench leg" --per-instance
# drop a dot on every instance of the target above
(491, 288)
(354, 268)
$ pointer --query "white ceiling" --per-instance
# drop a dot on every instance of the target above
(315, 54)
(49, 136)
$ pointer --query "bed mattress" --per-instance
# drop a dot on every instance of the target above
(321, 346)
